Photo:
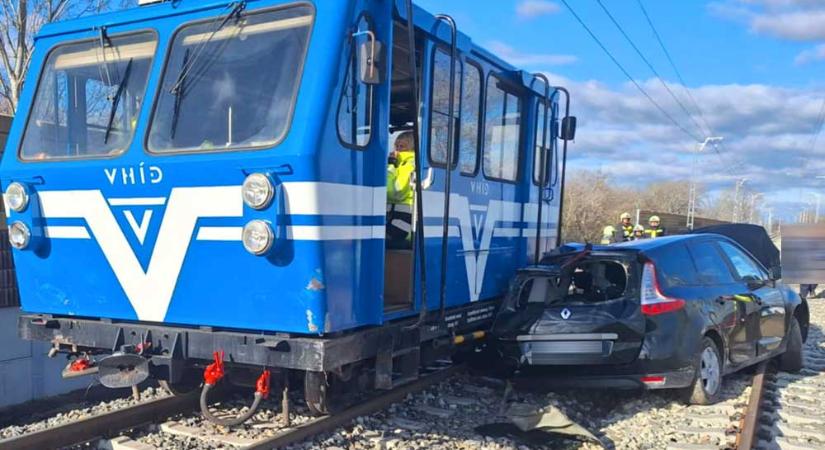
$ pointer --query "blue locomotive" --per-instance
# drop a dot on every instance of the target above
(191, 179)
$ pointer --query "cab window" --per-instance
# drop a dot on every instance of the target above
(355, 107)
(233, 86)
(440, 101)
(470, 120)
(502, 129)
(88, 98)
(542, 146)
(742, 263)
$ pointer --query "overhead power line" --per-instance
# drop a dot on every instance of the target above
(650, 66)
(820, 121)
(630, 77)
(675, 69)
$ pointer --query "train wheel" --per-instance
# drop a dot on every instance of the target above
(329, 392)
(316, 391)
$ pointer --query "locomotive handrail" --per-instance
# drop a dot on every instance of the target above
(419, 206)
(542, 174)
(564, 164)
(442, 299)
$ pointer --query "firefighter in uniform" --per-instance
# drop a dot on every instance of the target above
(626, 227)
(655, 230)
(400, 192)
(638, 232)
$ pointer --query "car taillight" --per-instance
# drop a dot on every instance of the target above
(653, 380)
(653, 301)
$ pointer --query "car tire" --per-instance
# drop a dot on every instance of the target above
(707, 384)
(792, 359)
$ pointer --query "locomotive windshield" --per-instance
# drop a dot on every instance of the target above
(231, 83)
(88, 98)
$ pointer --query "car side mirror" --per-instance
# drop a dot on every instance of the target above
(371, 60)
(776, 273)
(568, 128)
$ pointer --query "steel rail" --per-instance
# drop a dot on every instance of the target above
(746, 438)
(370, 406)
(103, 425)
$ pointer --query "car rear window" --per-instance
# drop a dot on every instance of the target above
(589, 280)
(674, 266)
(710, 264)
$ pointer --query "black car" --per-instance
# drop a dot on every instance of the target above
(673, 312)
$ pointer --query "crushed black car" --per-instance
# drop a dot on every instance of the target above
(676, 312)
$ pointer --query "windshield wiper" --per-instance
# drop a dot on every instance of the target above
(116, 100)
(237, 8)
(178, 93)
(188, 63)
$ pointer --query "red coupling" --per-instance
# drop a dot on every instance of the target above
(80, 364)
(262, 385)
(142, 347)
(214, 372)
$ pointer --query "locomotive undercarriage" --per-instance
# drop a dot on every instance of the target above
(332, 366)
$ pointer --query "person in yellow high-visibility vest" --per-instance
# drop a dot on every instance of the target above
(608, 235)
(626, 227)
(400, 192)
(654, 230)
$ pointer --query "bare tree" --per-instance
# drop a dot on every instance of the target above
(20, 20)
(593, 201)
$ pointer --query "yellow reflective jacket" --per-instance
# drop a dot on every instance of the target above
(399, 179)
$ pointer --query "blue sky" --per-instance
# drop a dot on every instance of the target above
(754, 66)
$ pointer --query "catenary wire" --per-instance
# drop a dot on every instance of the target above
(681, 79)
(649, 65)
(627, 74)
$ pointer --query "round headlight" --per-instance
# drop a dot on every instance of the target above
(257, 237)
(19, 235)
(17, 197)
(257, 191)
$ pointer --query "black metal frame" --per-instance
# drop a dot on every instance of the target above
(174, 348)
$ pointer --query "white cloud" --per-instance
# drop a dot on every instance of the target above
(814, 54)
(768, 134)
(530, 9)
(518, 58)
(798, 20)
(798, 26)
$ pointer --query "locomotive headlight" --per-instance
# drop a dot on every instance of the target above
(17, 197)
(257, 191)
(257, 237)
(19, 235)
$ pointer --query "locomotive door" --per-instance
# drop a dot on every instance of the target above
(399, 260)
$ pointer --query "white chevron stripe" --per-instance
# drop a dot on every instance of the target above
(58, 232)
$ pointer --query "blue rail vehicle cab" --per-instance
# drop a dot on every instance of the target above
(191, 177)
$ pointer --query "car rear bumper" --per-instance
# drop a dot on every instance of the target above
(559, 378)
(594, 360)
(567, 349)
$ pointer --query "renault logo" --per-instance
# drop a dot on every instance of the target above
(565, 313)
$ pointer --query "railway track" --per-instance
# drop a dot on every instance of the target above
(126, 429)
(787, 411)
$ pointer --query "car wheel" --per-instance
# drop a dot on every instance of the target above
(791, 360)
(707, 385)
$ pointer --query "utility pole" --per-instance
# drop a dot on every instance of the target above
(816, 208)
(691, 215)
(736, 206)
(770, 220)
(753, 205)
